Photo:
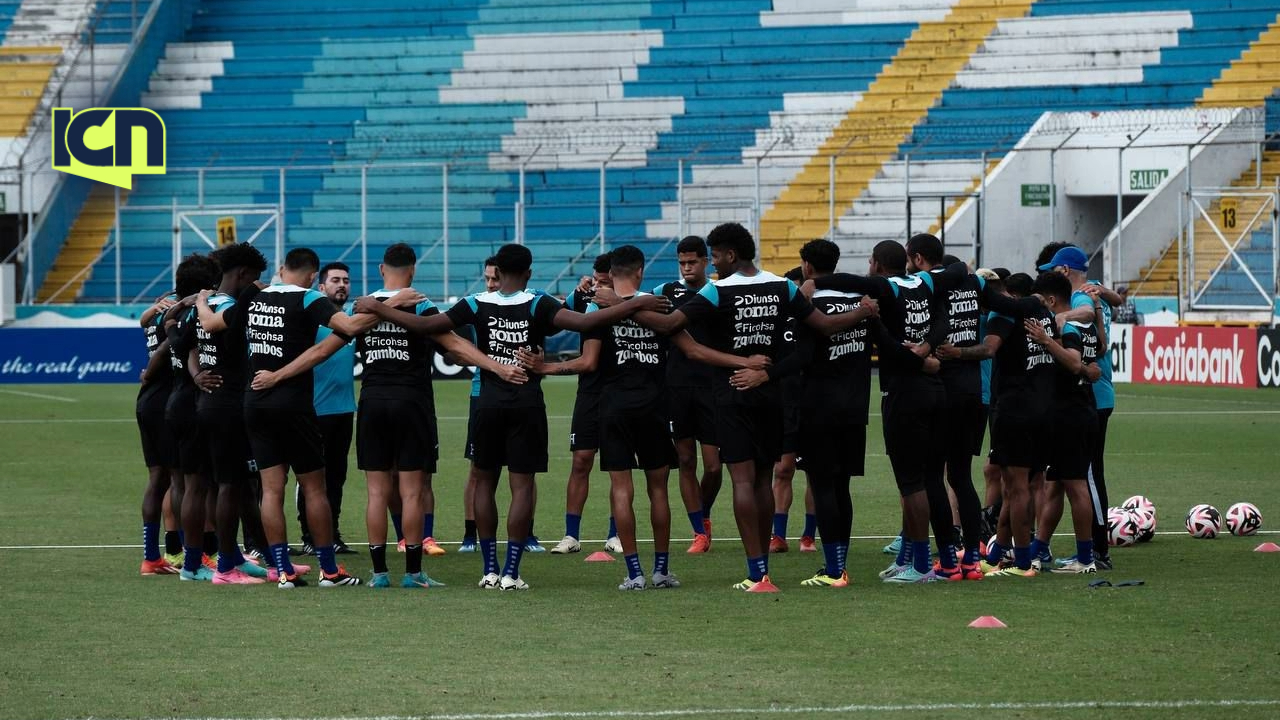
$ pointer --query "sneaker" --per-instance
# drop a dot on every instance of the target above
(305, 549)
(1014, 571)
(203, 574)
(533, 546)
(807, 544)
(893, 570)
(893, 547)
(298, 569)
(380, 580)
(989, 569)
(174, 559)
(1044, 563)
(468, 545)
(400, 546)
(663, 581)
(210, 561)
(635, 583)
(911, 576)
(1063, 562)
(701, 543)
(568, 544)
(1103, 562)
(159, 566)
(340, 546)
(490, 581)
(235, 577)
(338, 579)
(289, 582)
(431, 581)
(971, 571)
(763, 585)
(1075, 567)
(429, 547)
(416, 580)
(512, 583)
(252, 570)
(254, 554)
(948, 574)
(822, 579)
(778, 544)
(613, 544)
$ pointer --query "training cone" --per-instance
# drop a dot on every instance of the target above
(1267, 547)
(987, 621)
(600, 556)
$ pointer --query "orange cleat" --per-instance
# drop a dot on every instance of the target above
(429, 547)
(159, 566)
(701, 544)
(778, 544)
(807, 544)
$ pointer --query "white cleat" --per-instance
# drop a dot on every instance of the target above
(490, 581)
(1075, 567)
(512, 583)
(613, 544)
(635, 583)
(567, 545)
(665, 580)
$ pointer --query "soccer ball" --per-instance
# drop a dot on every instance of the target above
(1122, 527)
(1243, 519)
(1203, 521)
(1146, 519)
(1138, 502)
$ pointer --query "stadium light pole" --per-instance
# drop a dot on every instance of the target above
(1053, 189)
(1118, 255)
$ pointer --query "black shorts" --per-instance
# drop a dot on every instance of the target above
(749, 433)
(1019, 440)
(584, 428)
(912, 419)
(833, 446)
(469, 452)
(1071, 448)
(285, 437)
(230, 459)
(515, 438)
(397, 434)
(158, 443)
(964, 423)
(792, 388)
(636, 439)
(692, 411)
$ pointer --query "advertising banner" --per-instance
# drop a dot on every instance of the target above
(1121, 352)
(1268, 357)
(1195, 356)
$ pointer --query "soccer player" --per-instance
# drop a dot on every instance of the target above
(690, 403)
(511, 420)
(1074, 423)
(220, 334)
(963, 418)
(584, 428)
(745, 311)
(195, 273)
(335, 404)
(784, 471)
(157, 442)
(469, 538)
(834, 395)
(912, 401)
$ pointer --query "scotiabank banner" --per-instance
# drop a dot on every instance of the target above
(1195, 356)
(1268, 357)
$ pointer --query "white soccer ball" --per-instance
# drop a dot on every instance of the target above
(1139, 502)
(1203, 521)
(1122, 527)
(1146, 519)
(1243, 519)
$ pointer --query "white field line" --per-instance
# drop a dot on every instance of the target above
(600, 541)
(828, 710)
(40, 396)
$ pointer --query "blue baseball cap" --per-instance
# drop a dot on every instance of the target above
(1071, 256)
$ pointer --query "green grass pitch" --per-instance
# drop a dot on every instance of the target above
(83, 635)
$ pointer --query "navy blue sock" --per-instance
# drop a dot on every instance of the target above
(191, 557)
(150, 541)
(661, 561)
(831, 553)
(429, 525)
(489, 549)
(970, 556)
(328, 560)
(994, 553)
(810, 525)
(920, 559)
(613, 528)
(1084, 551)
(226, 563)
(633, 565)
(842, 550)
(395, 523)
(1037, 548)
(695, 521)
(1022, 557)
(904, 552)
(280, 558)
(573, 525)
(947, 555)
(515, 551)
(757, 568)
(182, 538)
(780, 524)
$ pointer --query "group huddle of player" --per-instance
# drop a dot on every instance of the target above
(765, 373)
